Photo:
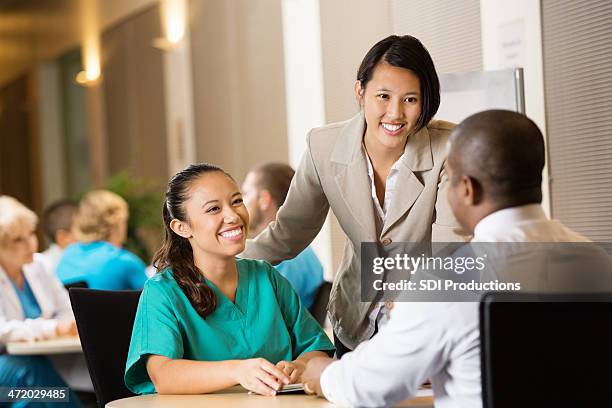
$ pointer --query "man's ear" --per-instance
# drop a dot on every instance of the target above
(181, 228)
(265, 200)
(472, 191)
(359, 92)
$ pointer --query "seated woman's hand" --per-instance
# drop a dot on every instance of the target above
(293, 369)
(66, 328)
(260, 376)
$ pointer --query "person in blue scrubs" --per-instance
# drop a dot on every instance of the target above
(207, 321)
(264, 191)
(99, 258)
(33, 305)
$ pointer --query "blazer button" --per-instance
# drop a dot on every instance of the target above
(386, 241)
(389, 304)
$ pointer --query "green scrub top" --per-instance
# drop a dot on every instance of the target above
(267, 320)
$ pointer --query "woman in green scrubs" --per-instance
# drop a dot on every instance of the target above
(207, 320)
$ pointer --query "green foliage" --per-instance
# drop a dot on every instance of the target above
(144, 197)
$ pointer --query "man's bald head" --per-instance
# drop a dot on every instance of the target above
(495, 161)
(504, 152)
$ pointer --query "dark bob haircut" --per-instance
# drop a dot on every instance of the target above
(406, 52)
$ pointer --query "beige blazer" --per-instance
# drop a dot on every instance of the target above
(333, 174)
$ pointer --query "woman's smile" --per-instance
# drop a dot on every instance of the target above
(392, 129)
(233, 234)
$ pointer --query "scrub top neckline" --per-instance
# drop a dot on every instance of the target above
(241, 302)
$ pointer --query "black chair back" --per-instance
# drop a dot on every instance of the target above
(319, 306)
(76, 284)
(105, 319)
(546, 350)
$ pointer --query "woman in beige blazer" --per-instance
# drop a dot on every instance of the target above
(382, 174)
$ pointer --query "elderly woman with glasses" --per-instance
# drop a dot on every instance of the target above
(33, 303)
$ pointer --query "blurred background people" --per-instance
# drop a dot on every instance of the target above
(33, 303)
(264, 190)
(57, 225)
(100, 227)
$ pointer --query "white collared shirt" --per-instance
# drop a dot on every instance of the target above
(527, 223)
(435, 340)
(378, 315)
(381, 211)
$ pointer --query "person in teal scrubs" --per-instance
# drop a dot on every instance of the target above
(207, 320)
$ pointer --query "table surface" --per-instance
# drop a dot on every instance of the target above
(59, 345)
(238, 397)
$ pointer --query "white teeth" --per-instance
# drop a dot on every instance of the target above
(232, 233)
(390, 127)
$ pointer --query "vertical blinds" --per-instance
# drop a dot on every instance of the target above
(577, 46)
(438, 24)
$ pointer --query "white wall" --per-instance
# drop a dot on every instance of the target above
(512, 36)
(180, 125)
(305, 103)
(303, 73)
(238, 83)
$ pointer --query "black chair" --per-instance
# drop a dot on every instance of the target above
(319, 306)
(105, 319)
(76, 284)
(546, 350)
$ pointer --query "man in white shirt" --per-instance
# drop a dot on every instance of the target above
(494, 165)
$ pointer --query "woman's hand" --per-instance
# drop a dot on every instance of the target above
(66, 328)
(293, 369)
(260, 376)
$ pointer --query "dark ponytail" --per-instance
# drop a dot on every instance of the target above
(176, 252)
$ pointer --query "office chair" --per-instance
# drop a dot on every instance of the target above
(76, 284)
(319, 306)
(546, 350)
(104, 319)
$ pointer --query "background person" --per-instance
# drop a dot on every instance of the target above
(33, 303)
(206, 320)
(381, 172)
(98, 258)
(57, 224)
(495, 168)
(264, 191)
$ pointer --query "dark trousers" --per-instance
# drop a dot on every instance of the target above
(341, 349)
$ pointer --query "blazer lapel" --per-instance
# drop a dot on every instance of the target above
(352, 180)
(417, 157)
(355, 189)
